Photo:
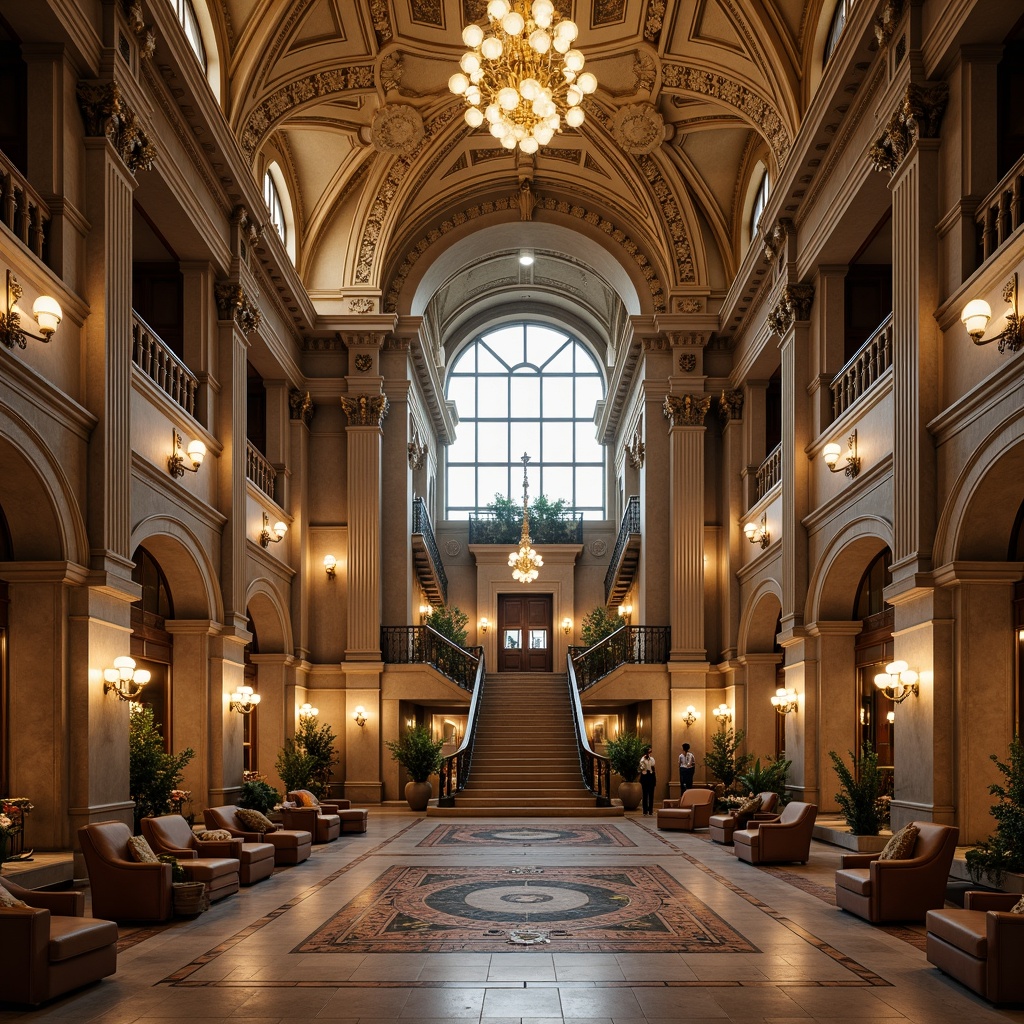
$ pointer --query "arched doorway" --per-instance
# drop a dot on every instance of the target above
(152, 646)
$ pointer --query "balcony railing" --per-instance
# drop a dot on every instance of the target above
(489, 528)
(769, 473)
(427, 556)
(595, 768)
(454, 773)
(23, 210)
(624, 558)
(423, 645)
(868, 363)
(155, 359)
(628, 645)
(259, 470)
(1001, 212)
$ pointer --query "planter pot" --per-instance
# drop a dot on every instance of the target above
(629, 794)
(189, 898)
(418, 794)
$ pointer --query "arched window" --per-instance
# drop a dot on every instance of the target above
(525, 387)
(190, 23)
(152, 644)
(835, 28)
(273, 200)
(760, 202)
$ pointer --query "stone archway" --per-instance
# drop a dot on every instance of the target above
(760, 659)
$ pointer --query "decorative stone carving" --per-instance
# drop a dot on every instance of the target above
(143, 32)
(365, 410)
(381, 15)
(794, 304)
(887, 20)
(776, 238)
(690, 305)
(234, 304)
(917, 116)
(656, 343)
(300, 406)
(397, 128)
(428, 12)
(249, 230)
(653, 20)
(106, 113)
(392, 69)
(599, 548)
(687, 362)
(609, 12)
(417, 452)
(526, 199)
(730, 405)
(635, 449)
(361, 305)
(452, 548)
(686, 410)
(334, 344)
(638, 128)
(363, 362)
(645, 72)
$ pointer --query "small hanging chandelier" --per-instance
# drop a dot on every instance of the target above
(523, 77)
(525, 562)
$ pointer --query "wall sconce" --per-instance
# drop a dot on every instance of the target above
(484, 626)
(785, 700)
(625, 611)
(46, 312)
(195, 452)
(124, 679)
(723, 713)
(360, 716)
(757, 533)
(691, 716)
(897, 682)
(266, 537)
(890, 717)
(831, 452)
(977, 314)
(567, 625)
(244, 700)
(307, 713)
(330, 566)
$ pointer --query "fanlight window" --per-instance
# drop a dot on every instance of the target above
(190, 23)
(273, 200)
(760, 202)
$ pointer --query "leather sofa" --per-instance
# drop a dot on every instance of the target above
(122, 888)
(50, 948)
(899, 890)
(171, 833)
(353, 819)
(722, 826)
(786, 839)
(982, 946)
(291, 846)
(692, 810)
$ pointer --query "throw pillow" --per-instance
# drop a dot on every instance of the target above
(254, 821)
(140, 850)
(8, 899)
(750, 806)
(901, 846)
(305, 798)
(213, 835)
(1018, 907)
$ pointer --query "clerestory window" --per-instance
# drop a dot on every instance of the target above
(835, 28)
(190, 23)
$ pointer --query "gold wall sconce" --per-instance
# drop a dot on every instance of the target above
(890, 717)
(831, 452)
(244, 700)
(757, 533)
(125, 679)
(330, 566)
(195, 453)
(785, 700)
(691, 716)
(484, 626)
(360, 716)
(46, 312)
(426, 610)
(308, 713)
(267, 537)
(723, 713)
(977, 313)
(625, 612)
(897, 682)
(567, 625)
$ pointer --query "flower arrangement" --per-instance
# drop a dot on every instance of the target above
(12, 821)
(180, 797)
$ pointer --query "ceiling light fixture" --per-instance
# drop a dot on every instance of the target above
(526, 257)
(525, 562)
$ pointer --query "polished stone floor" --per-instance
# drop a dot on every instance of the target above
(760, 946)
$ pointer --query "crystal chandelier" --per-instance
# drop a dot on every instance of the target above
(522, 76)
(525, 562)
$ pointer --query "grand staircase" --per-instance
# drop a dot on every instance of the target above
(525, 761)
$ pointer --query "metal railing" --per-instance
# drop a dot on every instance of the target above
(769, 473)
(595, 768)
(861, 371)
(421, 526)
(151, 354)
(630, 525)
(489, 528)
(454, 773)
(1000, 213)
(259, 470)
(423, 645)
(628, 645)
(23, 210)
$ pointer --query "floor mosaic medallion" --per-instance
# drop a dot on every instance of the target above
(489, 910)
(525, 835)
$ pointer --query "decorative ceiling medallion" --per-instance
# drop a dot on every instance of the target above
(638, 128)
(397, 128)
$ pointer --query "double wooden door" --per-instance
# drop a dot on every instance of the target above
(524, 633)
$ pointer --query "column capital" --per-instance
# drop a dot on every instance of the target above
(301, 406)
(106, 113)
(794, 304)
(999, 573)
(730, 405)
(365, 410)
(233, 303)
(686, 410)
(918, 115)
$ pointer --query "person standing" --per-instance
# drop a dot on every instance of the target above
(687, 766)
(648, 780)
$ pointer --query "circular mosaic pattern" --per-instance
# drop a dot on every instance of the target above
(598, 548)
(521, 835)
(526, 896)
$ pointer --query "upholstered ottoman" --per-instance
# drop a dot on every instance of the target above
(721, 828)
(353, 819)
(291, 846)
(257, 862)
(218, 874)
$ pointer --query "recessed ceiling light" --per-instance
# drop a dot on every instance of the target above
(526, 257)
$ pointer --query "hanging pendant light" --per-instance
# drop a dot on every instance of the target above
(525, 562)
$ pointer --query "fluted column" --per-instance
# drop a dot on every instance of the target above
(730, 408)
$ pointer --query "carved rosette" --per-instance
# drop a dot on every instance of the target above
(397, 129)
(686, 410)
(638, 128)
(234, 304)
(794, 304)
(105, 112)
(365, 410)
(363, 362)
(730, 405)
(635, 450)
(687, 362)
(645, 72)
(360, 305)
(392, 68)
(300, 405)
(917, 116)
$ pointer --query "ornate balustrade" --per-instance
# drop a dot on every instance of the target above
(626, 544)
(861, 371)
(427, 555)
(769, 473)
(628, 645)
(152, 355)
(423, 645)
(23, 210)
(489, 528)
(595, 768)
(259, 470)
(1000, 213)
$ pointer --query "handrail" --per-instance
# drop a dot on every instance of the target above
(488, 528)
(22, 209)
(152, 355)
(259, 470)
(595, 768)
(454, 773)
(1000, 213)
(423, 645)
(630, 525)
(863, 368)
(628, 645)
(769, 473)
(421, 526)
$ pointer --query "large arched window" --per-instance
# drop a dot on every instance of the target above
(525, 387)
(273, 200)
(760, 202)
(835, 28)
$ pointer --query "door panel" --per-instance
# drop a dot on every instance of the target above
(524, 633)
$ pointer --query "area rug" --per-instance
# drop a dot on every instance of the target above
(491, 910)
(523, 835)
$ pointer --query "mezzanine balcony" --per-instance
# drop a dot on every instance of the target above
(625, 556)
(426, 556)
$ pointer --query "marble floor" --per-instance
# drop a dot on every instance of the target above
(730, 942)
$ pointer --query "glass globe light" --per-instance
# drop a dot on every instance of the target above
(499, 129)
(470, 62)
(529, 145)
(508, 98)
(573, 96)
(472, 36)
(474, 117)
(561, 44)
(574, 117)
(491, 47)
(497, 9)
(458, 84)
(543, 134)
(540, 41)
(587, 83)
(574, 60)
(567, 29)
(543, 12)
(509, 141)
(513, 23)
(529, 88)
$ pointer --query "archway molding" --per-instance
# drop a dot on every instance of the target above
(833, 583)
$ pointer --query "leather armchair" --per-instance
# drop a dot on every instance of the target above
(353, 819)
(291, 846)
(722, 826)
(122, 888)
(692, 810)
(899, 890)
(210, 863)
(786, 839)
(50, 948)
(325, 828)
(982, 946)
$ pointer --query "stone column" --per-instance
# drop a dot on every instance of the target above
(754, 441)
(830, 356)
(730, 479)
(200, 345)
(227, 673)
(761, 673)
(190, 693)
(803, 744)
(276, 672)
(301, 412)
(654, 583)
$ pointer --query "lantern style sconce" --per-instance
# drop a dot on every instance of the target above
(330, 566)
(831, 452)
(757, 533)
(897, 682)
(307, 713)
(124, 679)
(977, 314)
(195, 453)
(785, 700)
(267, 537)
(567, 625)
(723, 713)
(46, 312)
(244, 700)
(359, 717)
(625, 611)
(691, 716)
(426, 610)
(484, 626)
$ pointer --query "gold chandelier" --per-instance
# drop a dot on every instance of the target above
(525, 562)
(522, 76)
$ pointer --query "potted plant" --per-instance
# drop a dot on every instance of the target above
(1004, 850)
(420, 755)
(771, 778)
(153, 774)
(258, 795)
(624, 753)
(597, 624)
(723, 762)
(860, 798)
(305, 761)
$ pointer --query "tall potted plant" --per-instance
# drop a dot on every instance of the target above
(420, 755)
(1004, 850)
(152, 773)
(860, 798)
(624, 753)
(722, 760)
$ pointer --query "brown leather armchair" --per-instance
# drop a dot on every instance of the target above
(692, 810)
(50, 948)
(211, 863)
(291, 846)
(899, 890)
(722, 826)
(353, 819)
(122, 888)
(786, 839)
(982, 946)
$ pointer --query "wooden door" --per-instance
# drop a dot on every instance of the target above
(524, 633)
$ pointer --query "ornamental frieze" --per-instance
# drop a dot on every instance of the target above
(917, 116)
(653, 20)
(234, 304)
(794, 305)
(300, 406)
(730, 405)
(887, 20)
(645, 72)
(143, 32)
(686, 410)
(105, 113)
(365, 410)
(381, 15)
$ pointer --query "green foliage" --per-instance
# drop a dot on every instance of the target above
(306, 761)
(177, 871)
(860, 799)
(450, 621)
(598, 624)
(549, 522)
(768, 779)
(624, 753)
(418, 753)
(722, 760)
(1004, 850)
(294, 766)
(152, 772)
(259, 796)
